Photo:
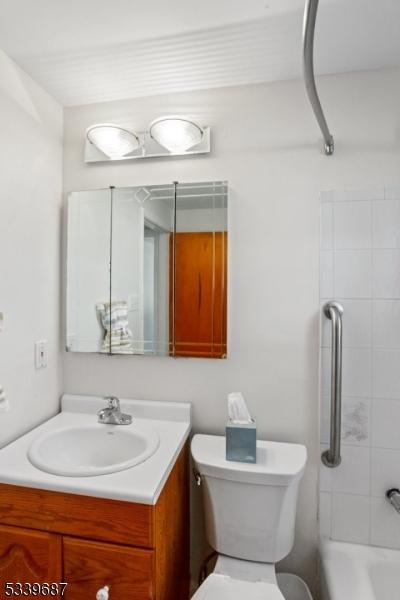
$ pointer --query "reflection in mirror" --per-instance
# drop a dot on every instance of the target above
(88, 272)
(200, 278)
(146, 270)
(142, 224)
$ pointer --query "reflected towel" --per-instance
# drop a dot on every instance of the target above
(117, 336)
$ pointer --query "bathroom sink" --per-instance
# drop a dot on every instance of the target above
(93, 449)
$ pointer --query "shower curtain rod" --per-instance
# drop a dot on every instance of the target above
(310, 15)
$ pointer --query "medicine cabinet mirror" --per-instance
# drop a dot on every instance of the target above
(147, 270)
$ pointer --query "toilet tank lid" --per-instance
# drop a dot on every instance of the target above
(277, 463)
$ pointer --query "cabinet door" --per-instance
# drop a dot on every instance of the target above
(28, 556)
(90, 566)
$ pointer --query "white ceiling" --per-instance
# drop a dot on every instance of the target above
(85, 51)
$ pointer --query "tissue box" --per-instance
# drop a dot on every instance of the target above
(241, 442)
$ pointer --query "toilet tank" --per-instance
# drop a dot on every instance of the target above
(250, 509)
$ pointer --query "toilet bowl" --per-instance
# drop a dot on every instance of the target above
(250, 512)
(235, 579)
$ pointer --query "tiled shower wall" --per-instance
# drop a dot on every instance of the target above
(360, 268)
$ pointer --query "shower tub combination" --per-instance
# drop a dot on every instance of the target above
(356, 572)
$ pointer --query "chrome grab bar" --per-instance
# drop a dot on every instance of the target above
(310, 16)
(331, 457)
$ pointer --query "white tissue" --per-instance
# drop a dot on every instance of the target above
(237, 409)
(4, 403)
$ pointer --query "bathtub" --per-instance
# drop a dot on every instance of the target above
(355, 572)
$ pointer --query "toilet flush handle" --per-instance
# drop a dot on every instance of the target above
(103, 594)
(197, 477)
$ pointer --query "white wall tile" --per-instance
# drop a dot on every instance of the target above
(386, 224)
(325, 372)
(326, 473)
(356, 421)
(385, 423)
(366, 281)
(327, 196)
(325, 502)
(357, 372)
(325, 419)
(350, 518)
(392, 192)
(385, 471)
(385, 524)
(386, 274)
(386, 374)
(358, 195)
(352, 225)
(326, 234)
(352, 475)
(353, 273)
(386, 323)
(357, 323)
(326, 274)
(326, 327)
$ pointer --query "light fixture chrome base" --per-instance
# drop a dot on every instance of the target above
(148, 148)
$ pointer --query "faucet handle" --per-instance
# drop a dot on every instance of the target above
(113, 402)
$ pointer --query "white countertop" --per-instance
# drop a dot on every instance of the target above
(142, 483)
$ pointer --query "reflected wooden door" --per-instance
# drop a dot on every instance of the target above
(198, 303)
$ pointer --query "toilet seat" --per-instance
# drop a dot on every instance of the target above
(223, 587)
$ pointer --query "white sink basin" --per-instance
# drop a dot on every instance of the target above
(93, 449)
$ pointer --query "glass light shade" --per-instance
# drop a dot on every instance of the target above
(112, 140)
(176, 134)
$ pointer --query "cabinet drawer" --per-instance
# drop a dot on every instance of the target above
(89, 566)
(100, 519)
(29, 556)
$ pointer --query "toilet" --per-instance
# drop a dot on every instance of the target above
(250, 512)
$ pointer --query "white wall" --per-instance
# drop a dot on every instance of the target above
(30, 217)
(360, 251)
(266, 144)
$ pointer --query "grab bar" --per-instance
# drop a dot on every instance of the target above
(331, 457)
(310, 16)
(393, 496)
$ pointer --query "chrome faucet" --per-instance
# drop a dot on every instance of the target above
(393, 497)
(112, 415)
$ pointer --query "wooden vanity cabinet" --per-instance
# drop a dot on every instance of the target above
(141, 552)
(88, 566)
(29, 556)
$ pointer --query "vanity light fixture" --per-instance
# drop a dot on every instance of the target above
(114, 141)
(166, 136)
(176, 134)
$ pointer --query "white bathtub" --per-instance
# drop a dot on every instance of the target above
(355, 572)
